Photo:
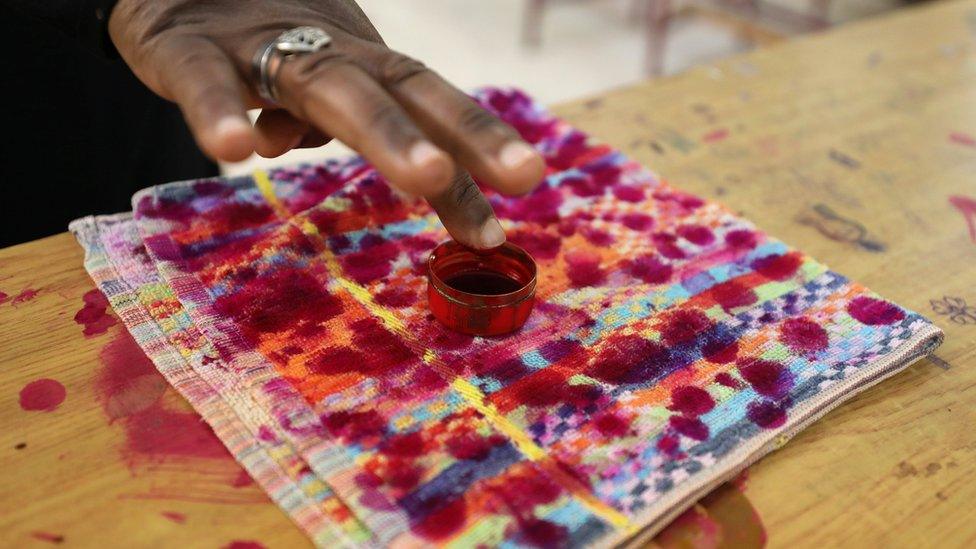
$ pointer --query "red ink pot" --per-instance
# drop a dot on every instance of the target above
(483, 293)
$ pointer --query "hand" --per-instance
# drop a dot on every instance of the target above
(424, 135)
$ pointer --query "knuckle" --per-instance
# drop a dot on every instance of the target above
(397, 69)
(387, 115)
(314, 68)
(475, 119)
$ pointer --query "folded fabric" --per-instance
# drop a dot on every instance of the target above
(672, 344)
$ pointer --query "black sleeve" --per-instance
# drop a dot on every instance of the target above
(85, 21)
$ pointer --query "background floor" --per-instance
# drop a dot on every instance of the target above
(587, 46)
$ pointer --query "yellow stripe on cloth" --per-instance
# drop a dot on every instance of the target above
(471, 394)
(263, 182)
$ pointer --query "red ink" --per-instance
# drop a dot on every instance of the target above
(406, 445)
(242, 479)
(715, 136)
(543, 533)
(668, 444)
(683, 325)
(472, 446)
(628, 193)
(803, 335)
(778, 267)
(616, 364)
(443, 522)
(766, 414)
(732, 294)
(766, 376)
(355, 426)
(689, 427)
(724, 378)
(611, 425)
(538, 244)
(637, 221)
(715, 351)
(24, 296)
(483, 283)
(967, 207)
(962, 139)
(93, 316)
(178, 518)
(741, 238)
(48, 537)
(583, 269)
(650, 269)
(874, 312)
(666, 244)
(42, 395)
(696, 234)
(3, 298)
(244, 544)
(691, 401)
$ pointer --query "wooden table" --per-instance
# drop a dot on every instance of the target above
(849, 145)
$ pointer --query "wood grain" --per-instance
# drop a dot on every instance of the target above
(847, 145)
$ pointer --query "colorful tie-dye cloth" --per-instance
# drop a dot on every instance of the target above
(672, 344)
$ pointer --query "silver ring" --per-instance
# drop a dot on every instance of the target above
(292, 42)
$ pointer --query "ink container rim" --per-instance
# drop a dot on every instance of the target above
(480, 258)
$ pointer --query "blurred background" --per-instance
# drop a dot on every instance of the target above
(558, 50)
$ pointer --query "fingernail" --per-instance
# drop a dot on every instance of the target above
(515, 153)
(492, 235)
(230, 125)
(424, 152)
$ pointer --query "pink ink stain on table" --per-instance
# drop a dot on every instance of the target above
(48, 537)
(715, 136)
(42, 395)
(724, 518)
(244, 544)
(94, 315)
(967, 207)
(178, 518)
(24, 296)
(3, 298)
(964, 139)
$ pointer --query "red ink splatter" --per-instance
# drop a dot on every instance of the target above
(443, 522)
(715, 351)
(93, 315)
(741, 238)
(668, 444)
(244, 544)
(583, 269)
(967, 207)
(611, 425)
(691, 401)
(539, 244)
(178, 518)
(397, 296)
(637, 221)
(766, 376)
(469, 445)
(766, 414)
(542, 206)
(778, 267)
(650, 269)
(355, 426)
(732, 294)
(696, 234)
(42, 395)
(667, 245)
(618, 361)
(24, 296)
(48, 537)
(962, 139)
(874, 312)
(803, 335)
(628, 193)
(715, 136)
(726, 379)
(689, 427)
(404, 445)
(242, 479)
(131, 390)
(543, 533)
(683, 325)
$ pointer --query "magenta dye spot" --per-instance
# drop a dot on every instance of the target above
(778, 267)
(741, 238)
(803, 335)
(650, 269)
(683, 325)
(689, 427)
(691, 401)
(766, 414)
(42, 395)
(583, 269)
(874, 312)
(768, 378)
(732, 294)
(696, 234)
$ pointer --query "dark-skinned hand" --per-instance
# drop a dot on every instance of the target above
(422, 134)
